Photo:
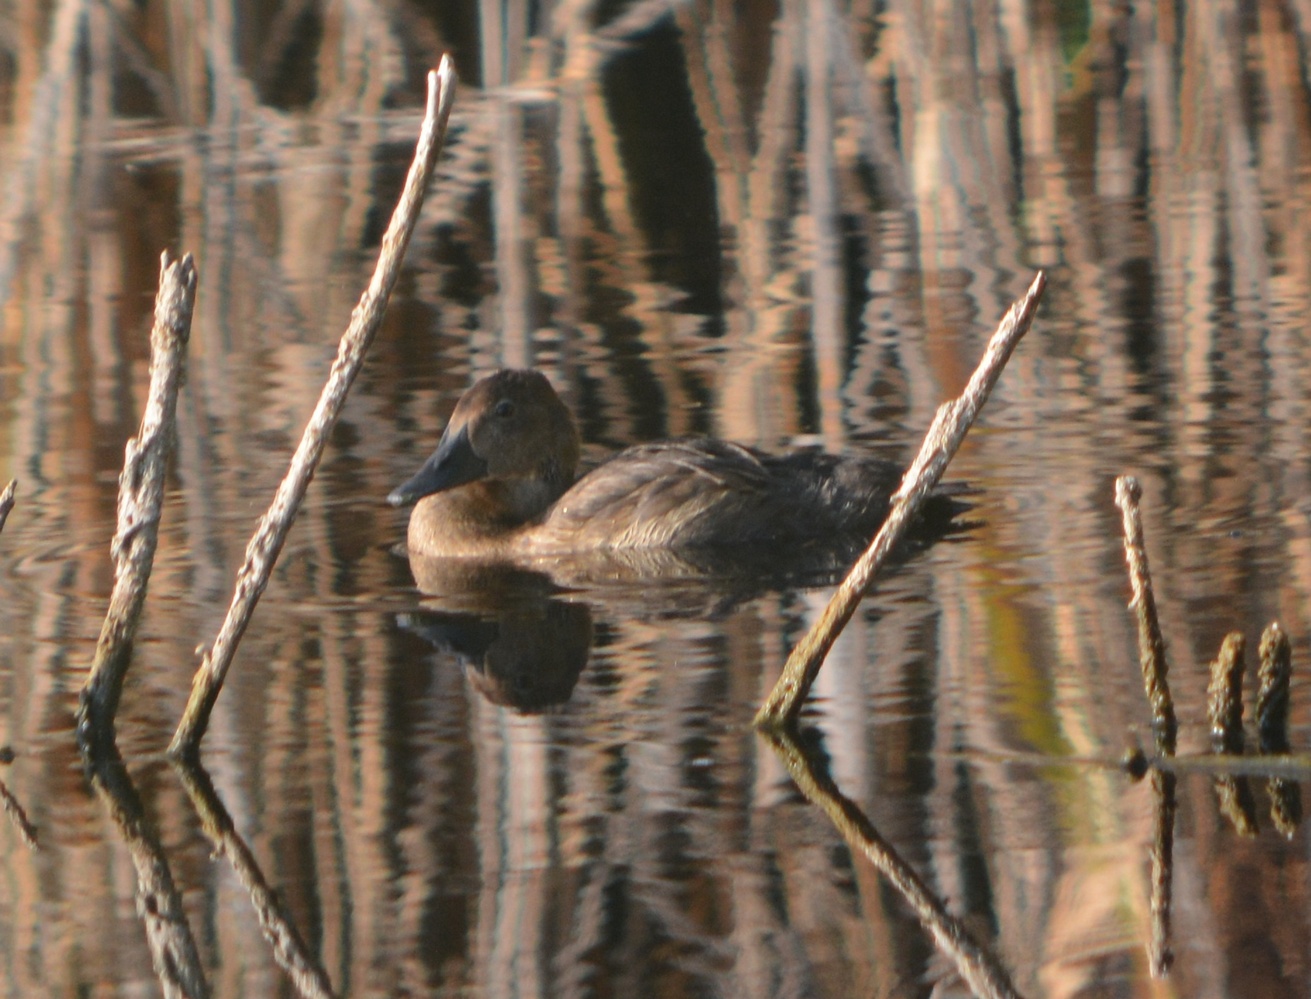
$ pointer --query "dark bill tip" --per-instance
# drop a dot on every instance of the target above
(453, 464)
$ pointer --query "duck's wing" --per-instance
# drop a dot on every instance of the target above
(671, 493)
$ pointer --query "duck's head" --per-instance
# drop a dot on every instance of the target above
(510, 427)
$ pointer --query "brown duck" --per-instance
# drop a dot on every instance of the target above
(501, 486)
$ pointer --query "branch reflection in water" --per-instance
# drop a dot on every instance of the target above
(172, 945)
(1160, 952)
(173, 950)
(289, 949)
(18, 816)
(973, 962)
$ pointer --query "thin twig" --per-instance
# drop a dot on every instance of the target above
(264, 547)
(141, 496)
(7, 501)
(975, 963)
(1151, 646)
(952, 422)
(1293, 766)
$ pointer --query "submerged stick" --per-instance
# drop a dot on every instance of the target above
(266, 544)
(141, 496)
(1292, 767)
(7, 501)
(1151, 646)
(952, 421)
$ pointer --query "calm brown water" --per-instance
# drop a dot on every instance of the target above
(769, 222)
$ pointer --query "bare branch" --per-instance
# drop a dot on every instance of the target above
(266, 544)
(141, 496)
(952, 422)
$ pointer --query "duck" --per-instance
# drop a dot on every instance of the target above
(502, 485)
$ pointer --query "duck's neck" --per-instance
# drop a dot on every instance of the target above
(483, 517)
(520, 501)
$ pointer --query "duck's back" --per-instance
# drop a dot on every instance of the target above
(702, 492)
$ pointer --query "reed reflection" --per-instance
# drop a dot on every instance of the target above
(14, 810)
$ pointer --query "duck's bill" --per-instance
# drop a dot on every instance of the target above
(453, 464)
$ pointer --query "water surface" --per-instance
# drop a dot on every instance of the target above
(778, 223)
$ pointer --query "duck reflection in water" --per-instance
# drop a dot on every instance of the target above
(526, 655)
(501, 486)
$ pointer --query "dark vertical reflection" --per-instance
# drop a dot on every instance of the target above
(1160, 950)
(665, 161)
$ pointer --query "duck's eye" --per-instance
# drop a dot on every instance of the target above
(504, 409)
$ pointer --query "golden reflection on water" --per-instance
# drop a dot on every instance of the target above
(767, 222)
